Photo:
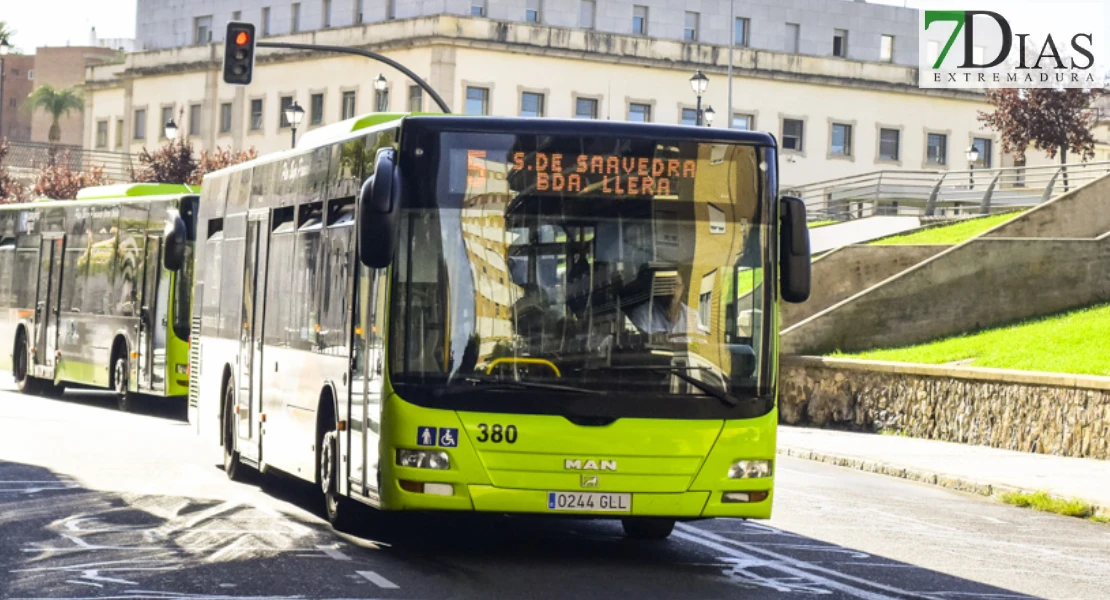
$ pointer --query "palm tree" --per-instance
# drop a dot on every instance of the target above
(57, 103)
(6, 32)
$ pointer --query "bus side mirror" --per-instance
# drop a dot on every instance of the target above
(794, 251)
(173, 254)
(378, 209)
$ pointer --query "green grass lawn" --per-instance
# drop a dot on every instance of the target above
(816, 224)
(1073, 342)
(949, 234)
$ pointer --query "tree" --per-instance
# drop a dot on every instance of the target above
(6, 32)
(59, 182)
(10, 189)
(57, 103)
(170, 163)
(1051, 120)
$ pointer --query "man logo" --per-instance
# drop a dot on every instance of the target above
(589, 465)
(589, 481)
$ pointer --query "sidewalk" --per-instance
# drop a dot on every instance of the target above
(975, 469)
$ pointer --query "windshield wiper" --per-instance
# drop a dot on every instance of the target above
(681, 373)
(494, 385)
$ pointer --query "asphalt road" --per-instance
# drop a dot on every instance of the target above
(99, 504)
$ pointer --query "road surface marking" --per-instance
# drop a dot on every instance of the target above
(378, 580)
(333, 552)
(99, 585)
(791, 566)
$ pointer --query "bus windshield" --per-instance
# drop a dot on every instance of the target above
(585, 267)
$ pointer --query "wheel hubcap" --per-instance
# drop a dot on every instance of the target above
(119, 377)
(326, 465)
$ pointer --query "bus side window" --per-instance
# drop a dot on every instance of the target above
(7, 263)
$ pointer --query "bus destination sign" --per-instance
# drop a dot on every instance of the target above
(596, 174)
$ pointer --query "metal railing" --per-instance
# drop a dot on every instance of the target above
(942, 193)
(117, 166)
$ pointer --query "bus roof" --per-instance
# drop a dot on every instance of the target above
(134, 190)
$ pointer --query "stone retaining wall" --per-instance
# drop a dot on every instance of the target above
(1066, 415)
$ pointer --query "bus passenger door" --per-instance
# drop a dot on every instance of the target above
(366, 384)
(249, 397)
(46, 303)
(153, 319)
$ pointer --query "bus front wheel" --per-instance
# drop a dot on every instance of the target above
(21, 367)
(647, 528)
(339, 509)
(125, 400)
(232, 466)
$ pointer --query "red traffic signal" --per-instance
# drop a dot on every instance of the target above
(239, 53)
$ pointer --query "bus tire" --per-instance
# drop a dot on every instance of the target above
(125, 400)
(232, 465)
(21, 366)
(340, 510)
(647, 528)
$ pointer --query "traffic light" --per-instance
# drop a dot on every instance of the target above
(239, 53)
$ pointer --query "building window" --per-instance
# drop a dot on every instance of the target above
(30, 75)
(295, 18)
(256, 114)
(194, 119)
(690, 29)
(793, 131)
(284, 102)
(119, 134)
(477, 101)
(347, 106)
(102, 134)
(793, 38)
(983, 145)
(716, 220)
(740, 33)
(585, 108)
(886, 48)
(138, 128)
(639, 113)
(741, 121)
(531, 104)
(639, 20)
(689, 116)
(316, 109)
(327, 14)
(202, 29)
(705, 309)
(587, 13)
(225, 117)
(532, 11)
(841, 140)
(936, 152)
(167, 116)
(840, 42)
(889, 144)
(477, 8)
(265, 20)
(381, 100)
(416, 99)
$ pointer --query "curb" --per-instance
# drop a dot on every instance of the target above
(952, 482)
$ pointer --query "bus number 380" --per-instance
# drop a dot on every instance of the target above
(497, 434)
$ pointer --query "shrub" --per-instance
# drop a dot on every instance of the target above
(10, 190)
(58, 181)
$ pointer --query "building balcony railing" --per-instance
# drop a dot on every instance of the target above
(27, 156)
(942, 194)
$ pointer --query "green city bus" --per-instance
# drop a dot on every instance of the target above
(441, 313)
(95, 292)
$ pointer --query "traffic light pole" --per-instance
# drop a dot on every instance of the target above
(368, 54)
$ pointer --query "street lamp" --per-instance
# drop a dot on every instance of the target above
(293, 114)
(4, 47)
(380, 84)
(972, 155)
(709, 115)
(699, 82)
(171, 130)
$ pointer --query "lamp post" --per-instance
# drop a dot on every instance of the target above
(293, 114)
(972, 155)
(380, 84)
(4, 47)
(699, 82)
(171, 130)
(709, 115)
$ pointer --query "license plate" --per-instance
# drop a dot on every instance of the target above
(589, 502)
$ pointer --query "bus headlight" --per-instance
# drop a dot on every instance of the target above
(423, 459)
(750, 469)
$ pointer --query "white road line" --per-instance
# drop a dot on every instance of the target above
(378, 580)
(99, 585)
(332, 552)
(792, 566)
